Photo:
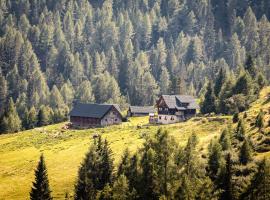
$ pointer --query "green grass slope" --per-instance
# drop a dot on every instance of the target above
(65, 149)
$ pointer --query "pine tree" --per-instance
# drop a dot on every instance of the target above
(245, 155)
(260, 183)
(124, 164)
(84, 92)
(3, 93)
(219, 82)
(260, 120)
(240, 130)
(249, 66)
(224, 180)
(56, 99)
(95, 172)
(44, 116)
(164, 82)
(120, 189)
(41, 188)
(208, 105)
(11, 121)
(225, 140)
(215, 160)
(149, 182)
(32, 118)
(235, 117)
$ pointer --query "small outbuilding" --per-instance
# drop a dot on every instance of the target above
(95, 115)
(137, 111)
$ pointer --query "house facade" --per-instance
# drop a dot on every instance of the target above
(137, 111)
(95, 115)
(176, 108)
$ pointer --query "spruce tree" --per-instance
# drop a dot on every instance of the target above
(224, 180)
(260, 120)
(219, 82)
(215, 160)
(259, 187)
(208, 105)
(120, 189)
(235, 117)
(11, 121)
(240, 130)
(245, 155)
(149, 178)
(225, 140)
(95, 172)
(44, 116)
(3, 93)
(32, 118)
(41, 188)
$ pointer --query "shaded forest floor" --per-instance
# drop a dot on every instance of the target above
(65, 149)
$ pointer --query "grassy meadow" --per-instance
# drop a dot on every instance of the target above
(65, 149)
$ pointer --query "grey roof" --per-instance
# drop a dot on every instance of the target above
(177, 101)
(92, 110)
(142, 109)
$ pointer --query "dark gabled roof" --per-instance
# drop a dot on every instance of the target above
(177, 101)
(92, 110)
(142, 109)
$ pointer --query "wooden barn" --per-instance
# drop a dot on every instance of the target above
(137, 111)
(95, 115)
(176, 108)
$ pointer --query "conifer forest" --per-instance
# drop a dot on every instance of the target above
(55, 53)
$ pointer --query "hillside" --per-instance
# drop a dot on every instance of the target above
(64, 150)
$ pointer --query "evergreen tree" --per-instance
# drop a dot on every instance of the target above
(56, 99)
(95, 172)
(225, 140)
(208, 105)
(11, 121)
(44, 116)
(215, 160)
(240, 130)
(260, 182)
(32, 118)
(224, 180)
(260, 120)
(3, 93)
(164, 82)
(84, 93)
(245, 153)
(249, 66)
(120, 189)
(219, 82)
(149, 182)
(235, 117)
(41, 188)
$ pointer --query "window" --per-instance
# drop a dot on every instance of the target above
(115, 120)
(160, 117)
(106, 120)
(172, 118)
(165, 118)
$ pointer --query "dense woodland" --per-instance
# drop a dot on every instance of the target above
(53, 53)
(162, 170)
